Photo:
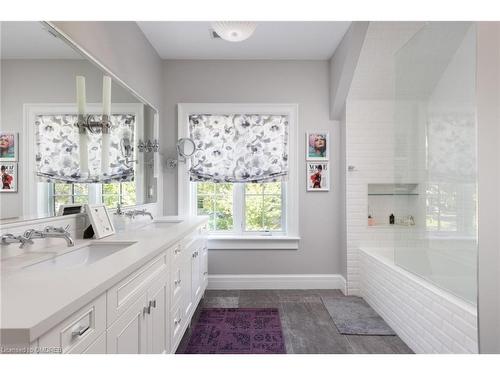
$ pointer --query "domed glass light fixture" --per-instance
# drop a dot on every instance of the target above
(234, 31)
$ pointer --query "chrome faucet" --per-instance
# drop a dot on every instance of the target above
(9, 238)
(132, 213)
(48, 232)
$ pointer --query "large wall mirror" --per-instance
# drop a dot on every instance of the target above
(39, 139)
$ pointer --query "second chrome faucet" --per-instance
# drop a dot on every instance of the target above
(29, 235)
(132, 213)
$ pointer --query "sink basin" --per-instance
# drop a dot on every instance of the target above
(168, 219)
(80, 257)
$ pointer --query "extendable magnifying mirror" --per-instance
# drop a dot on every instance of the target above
(186, 147)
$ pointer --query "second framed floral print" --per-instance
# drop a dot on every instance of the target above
(317, 156)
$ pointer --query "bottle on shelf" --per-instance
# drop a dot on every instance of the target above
(391, 219)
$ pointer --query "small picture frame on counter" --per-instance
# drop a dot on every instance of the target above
(101, 221)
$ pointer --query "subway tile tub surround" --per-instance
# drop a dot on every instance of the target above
(137, 300)
(428, 319)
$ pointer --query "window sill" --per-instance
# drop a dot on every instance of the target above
(228, 242)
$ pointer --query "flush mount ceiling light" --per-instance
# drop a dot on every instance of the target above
(234, 31)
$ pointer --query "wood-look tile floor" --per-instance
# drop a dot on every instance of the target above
(307, 326)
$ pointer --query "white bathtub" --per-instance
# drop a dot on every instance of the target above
(428, 318)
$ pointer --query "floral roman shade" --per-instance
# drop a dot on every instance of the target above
(451, 155)
(239, 147)
(57, 155)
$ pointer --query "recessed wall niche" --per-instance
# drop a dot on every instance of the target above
(399, 200)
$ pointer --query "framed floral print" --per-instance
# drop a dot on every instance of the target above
(8, 146)
(318, 176)
(317, 145)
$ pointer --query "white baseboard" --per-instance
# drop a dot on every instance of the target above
(314, 281)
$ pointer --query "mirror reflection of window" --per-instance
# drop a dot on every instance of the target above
(123, 193)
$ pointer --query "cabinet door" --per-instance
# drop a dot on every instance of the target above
(195, 275)
(157, 319)
(98, 346)
(204, 268)
(186, 299)
(128, 334)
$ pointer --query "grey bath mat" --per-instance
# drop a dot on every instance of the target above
(353, 316)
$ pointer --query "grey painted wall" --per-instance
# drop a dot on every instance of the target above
(488, 120)
(343, 65)
(303, 82)
(124, 50)
(43, 81)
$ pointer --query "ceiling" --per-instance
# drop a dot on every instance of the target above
(271, 40)
(30, 40)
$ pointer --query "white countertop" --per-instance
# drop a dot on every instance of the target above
(36, 300)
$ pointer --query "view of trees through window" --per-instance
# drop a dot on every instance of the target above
(263, 207)
(451, 208)
(109, 194)
(251, 207)
(70, 194)
(216, 201)
(122, 193)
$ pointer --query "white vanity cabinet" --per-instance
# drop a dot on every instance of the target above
(147, 311)
(143, 327)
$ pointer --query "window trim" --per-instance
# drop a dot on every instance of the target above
(186, 194)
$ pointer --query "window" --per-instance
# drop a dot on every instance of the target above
(263, 206)
(216, 201)
(68, 194)
(451, 208)
(226, 178)
(123, 193)
(241, 208)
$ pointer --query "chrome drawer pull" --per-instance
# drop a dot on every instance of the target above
(205, 273)
(177, 321)
(177, 251)
(147, 310)
(152, 303)
(80, 331)
(177, 282)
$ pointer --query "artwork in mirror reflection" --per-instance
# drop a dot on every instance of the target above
(57, 154)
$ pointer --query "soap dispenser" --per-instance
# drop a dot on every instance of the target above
(391, 219)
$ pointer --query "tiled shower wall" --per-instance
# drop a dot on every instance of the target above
(370, 150)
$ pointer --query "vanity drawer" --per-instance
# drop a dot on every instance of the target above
(78, 331)
(176, 326)
(122, 295)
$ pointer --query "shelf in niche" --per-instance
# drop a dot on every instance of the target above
(393, 189)
(406, 194)
(390, 226)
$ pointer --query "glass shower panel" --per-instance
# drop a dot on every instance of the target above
(435, 148)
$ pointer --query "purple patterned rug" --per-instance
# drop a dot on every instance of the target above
(237, 331)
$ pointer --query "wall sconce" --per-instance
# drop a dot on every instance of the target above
(148, 146)
(89, 124)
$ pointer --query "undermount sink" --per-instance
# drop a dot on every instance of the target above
(168, 219)
(80, 257)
